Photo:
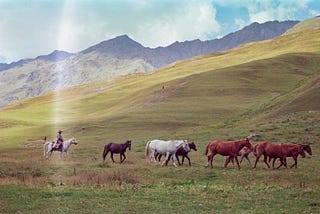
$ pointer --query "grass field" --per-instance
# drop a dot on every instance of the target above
(270, 88)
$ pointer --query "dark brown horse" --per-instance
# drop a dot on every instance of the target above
(181, 152)
(306, 147)
(116, 148)
(281, 151)
(228, 148)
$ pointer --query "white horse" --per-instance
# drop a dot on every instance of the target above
(65, 147)
(165, 148)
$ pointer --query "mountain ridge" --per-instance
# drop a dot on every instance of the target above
(110, 59)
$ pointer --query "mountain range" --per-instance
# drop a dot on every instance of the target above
(112, 58)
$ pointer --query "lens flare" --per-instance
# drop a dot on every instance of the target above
(64, 42)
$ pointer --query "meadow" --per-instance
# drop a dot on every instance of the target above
(270, 88)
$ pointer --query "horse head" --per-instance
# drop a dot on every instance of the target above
(248, 144)
(307, 148)
(193, 146)
(253, 136)
(186, 146)
(73, 141)
(128, 143)
(301, 151)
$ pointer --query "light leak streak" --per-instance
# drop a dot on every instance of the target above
(64, 41)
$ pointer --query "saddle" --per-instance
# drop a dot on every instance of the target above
(58, 146)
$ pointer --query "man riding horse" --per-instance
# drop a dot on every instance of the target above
(59, 141)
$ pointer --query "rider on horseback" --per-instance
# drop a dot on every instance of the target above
(59, 140)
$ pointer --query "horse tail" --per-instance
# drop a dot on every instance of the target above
(105, 152)
(147, 149)
(45, 144)
(207, 148)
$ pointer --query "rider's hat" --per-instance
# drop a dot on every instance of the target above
(59, 131)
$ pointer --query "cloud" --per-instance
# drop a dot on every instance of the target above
(268, 10)
(240, 22)
(314, 12)
(274, 10)
(2, 59)
(31, 28)
(186, 22)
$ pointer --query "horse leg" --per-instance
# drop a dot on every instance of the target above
(265, 160)
(237, 161)
(257, 159)
(227, 161)
(242, 156)
(179, 160)
(270, 160)
(273, 162)
(283, 162)
(188, 160)
(152, 157)
(50, 153)
(124, 157)
(295, 162)
(231, 159)
(210, 159)
(248, 160)
(174, 160)
(112, 157)
(209, 156)
(170, 157)
(158, 155)
(165, 162)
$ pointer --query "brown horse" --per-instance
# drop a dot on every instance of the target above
(243, 153)
(228, 148)
(116, 148)
(281, 151)
(181, 152)
(306, 147)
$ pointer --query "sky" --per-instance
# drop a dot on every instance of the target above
(29, 28)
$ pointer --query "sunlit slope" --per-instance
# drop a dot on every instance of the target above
(309, 24)
(214, 90)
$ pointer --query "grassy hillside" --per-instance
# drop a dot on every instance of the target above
(270, 87)
(308, 24)
(217, 87)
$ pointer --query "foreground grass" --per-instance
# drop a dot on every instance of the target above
(81, 184)
(186, 197)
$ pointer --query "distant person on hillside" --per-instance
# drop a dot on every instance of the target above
(59, 140)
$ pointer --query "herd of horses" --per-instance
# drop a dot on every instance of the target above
(173, 148)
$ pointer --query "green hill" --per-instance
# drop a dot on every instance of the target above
(309, 24)
(258, 80)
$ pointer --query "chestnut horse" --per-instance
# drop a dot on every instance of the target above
(281, 151)
(243, 153)
(228, 148)
(181, 152)
(116, 148)
(306, 147)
